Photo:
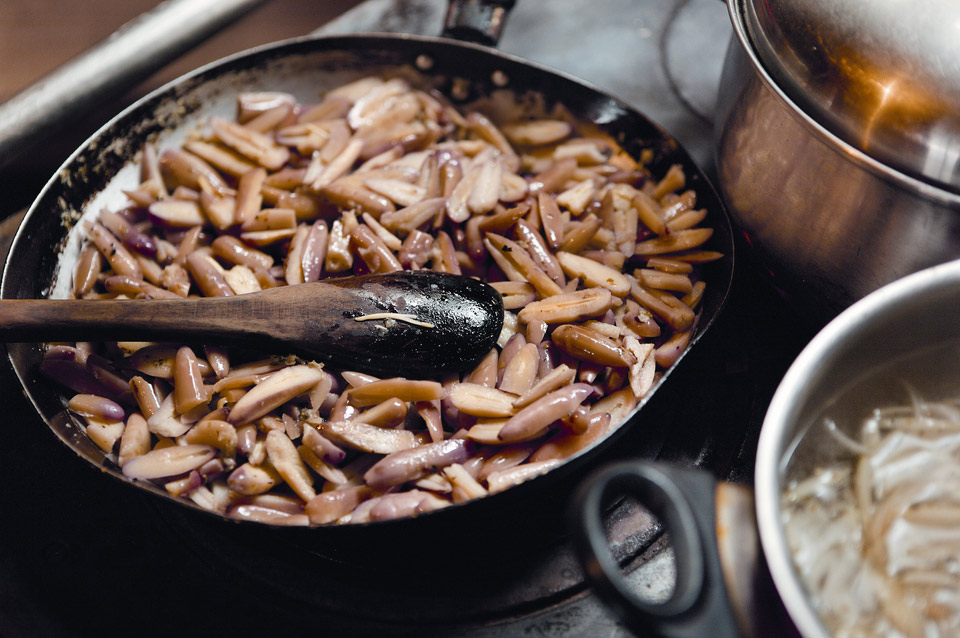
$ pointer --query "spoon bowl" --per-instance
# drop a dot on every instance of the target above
(400, 323)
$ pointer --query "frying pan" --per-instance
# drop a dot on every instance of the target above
(96, 174)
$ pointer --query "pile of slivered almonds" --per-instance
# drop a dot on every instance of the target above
(597, 261)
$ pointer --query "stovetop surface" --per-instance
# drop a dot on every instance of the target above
(82, 554)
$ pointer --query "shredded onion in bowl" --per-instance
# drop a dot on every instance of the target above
(876, 538)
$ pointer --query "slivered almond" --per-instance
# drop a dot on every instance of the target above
(674, 242)
(250, 479)
(104, 433)
(398, 191)
(164, 422)
(403, 389)
(274, 391)
(642, 373)
(169, 461)
(215, 433)
(536, 132)
(515, 294)
(339, 165)
(366, 437)
(486, 188)
(576, 198)
(478, 400)
(251, 144)
(177, 213)
(502, 479)
(556, 378)
(593, 273)
(569, 306)
(284, 457)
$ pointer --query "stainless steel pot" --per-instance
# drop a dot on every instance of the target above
(838, 141)
(720, 589)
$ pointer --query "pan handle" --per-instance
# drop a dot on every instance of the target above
(479, 21)
(136, 50)
(683, 500)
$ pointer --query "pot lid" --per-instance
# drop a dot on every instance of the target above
(883, 75)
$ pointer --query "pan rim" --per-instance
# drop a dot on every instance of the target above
(719, 289)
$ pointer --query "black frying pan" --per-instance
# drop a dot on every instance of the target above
(95, 175)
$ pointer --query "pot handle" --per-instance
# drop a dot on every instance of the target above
(684, 500)
(479, 21)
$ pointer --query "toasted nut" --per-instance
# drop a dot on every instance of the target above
(502, 479)
(104, 433)
(568, 306)
(465, 487)
(120, 259)
(327, 507)
(286, 460)
(674, 242)
(177, 213)
(365, 437)
(135, 440)
(533, 420)
(537, 132)
(274, 391)
(256, 146)
(593, 273)
(576, 198)
(586, 345)
(169, 461)
(221, 158)
(409, 465)
(515, 294)
(165, 421)
(556, 378)
(327, 471)
(249, 479)
(215, 433)
(521, 371)
(188, 388)
(478, 400)
(403, 389)
(96, 406)
(513, 253)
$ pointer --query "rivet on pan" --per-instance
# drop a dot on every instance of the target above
(460, 89)
(424, 62)
(500, 78)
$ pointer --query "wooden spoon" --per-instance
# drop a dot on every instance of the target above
(412, 323)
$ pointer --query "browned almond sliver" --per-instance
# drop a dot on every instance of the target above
(587, 345)
(594, 273)
(536, 132)
(329, 506)
(403, 389)
(168, 461)
(568, 306)
(674, 242)
(365, 437)
(251, 144)
(274, 391)
(284, 457)
(502, 479)
(409, 465)
(478, 400)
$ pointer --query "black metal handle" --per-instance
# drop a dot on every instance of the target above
(131, 54)
(683, 500)
(479, 21)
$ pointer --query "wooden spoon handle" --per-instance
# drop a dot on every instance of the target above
(409, 323)
(117, 320)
